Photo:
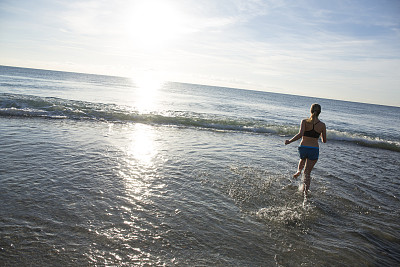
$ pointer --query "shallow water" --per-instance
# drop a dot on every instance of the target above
(88, 183)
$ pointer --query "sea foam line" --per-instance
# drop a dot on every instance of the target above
(13, 105)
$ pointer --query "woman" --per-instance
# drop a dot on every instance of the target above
(310, 131)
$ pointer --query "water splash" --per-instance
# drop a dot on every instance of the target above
(271, 198)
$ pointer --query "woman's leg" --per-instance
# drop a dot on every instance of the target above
(307, 174)
(299, 168)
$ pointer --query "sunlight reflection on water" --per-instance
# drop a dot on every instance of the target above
(139, 166)
(131, 223)
(142, 147)
(147, 89)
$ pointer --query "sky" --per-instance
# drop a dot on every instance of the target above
(342, 49)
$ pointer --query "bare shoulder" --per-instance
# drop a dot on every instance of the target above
(303, 123)
(322, 124)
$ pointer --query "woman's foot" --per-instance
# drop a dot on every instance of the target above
(301, 188)
(297, 174)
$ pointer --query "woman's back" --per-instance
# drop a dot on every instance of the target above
(312, 131)
(313, 128)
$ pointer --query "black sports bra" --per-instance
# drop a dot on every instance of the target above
(312, 133)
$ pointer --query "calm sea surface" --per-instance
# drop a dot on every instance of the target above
(100, 170)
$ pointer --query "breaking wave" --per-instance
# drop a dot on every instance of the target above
(14, 105)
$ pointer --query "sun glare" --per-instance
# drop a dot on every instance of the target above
(147, 89)
(143, 148)
(152, 23)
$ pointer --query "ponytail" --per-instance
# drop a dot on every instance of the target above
(315, 110)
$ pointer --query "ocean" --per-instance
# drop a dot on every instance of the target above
(100, 170)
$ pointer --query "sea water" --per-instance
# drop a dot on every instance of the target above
(100, 170)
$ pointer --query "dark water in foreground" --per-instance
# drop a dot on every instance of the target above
(99, 170)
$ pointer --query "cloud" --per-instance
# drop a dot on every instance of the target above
(285, 45)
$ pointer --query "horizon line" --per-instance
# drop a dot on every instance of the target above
(208, 85)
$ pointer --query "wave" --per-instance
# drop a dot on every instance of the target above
(364, 140)
(13, 105)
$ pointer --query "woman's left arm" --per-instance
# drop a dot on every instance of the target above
(323, 134)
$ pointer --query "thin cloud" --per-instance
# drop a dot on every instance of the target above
(329, 48)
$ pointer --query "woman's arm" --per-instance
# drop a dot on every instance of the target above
(323, 134)
(299, 134)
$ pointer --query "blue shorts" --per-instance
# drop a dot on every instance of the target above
(309, 152)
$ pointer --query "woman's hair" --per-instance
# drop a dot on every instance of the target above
(315, 109)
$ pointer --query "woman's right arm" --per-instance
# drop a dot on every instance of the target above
(299, 135)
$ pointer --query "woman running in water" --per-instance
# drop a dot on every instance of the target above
(310, 131)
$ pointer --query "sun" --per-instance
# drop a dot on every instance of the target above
(152, 23)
